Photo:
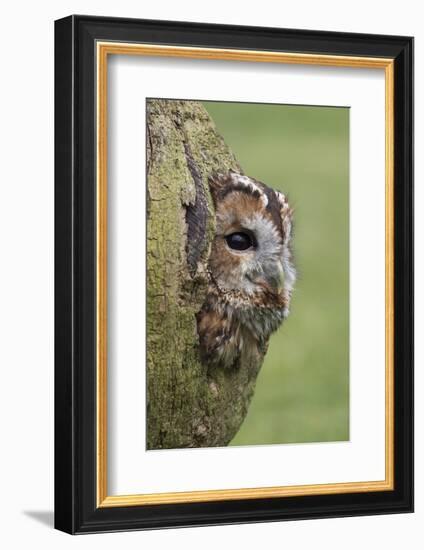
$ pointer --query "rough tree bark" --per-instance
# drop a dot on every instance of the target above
(188, 404)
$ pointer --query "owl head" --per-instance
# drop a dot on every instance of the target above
(251, 257)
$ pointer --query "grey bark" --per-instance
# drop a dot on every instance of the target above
(188, 403)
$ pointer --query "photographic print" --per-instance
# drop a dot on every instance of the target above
(247, 273)
(233, 267)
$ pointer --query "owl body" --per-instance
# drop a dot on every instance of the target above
(251, 272)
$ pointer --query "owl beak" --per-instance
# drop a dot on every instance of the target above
(279, 280)
(273, 281)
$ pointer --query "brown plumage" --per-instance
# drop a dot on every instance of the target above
(251, 272)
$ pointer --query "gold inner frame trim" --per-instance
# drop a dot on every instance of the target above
(103, 50)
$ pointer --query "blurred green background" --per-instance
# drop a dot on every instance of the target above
(302, 392)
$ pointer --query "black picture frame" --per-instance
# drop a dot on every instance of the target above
(76, 508)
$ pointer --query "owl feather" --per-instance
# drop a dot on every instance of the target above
(251, 271)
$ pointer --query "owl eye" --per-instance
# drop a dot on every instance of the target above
(239, 241)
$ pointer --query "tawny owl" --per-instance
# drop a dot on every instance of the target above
(251, 271)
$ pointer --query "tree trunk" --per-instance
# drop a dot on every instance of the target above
(188, 403)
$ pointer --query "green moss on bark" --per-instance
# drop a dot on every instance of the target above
(188, 404)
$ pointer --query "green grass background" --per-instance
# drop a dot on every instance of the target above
(302, 392)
